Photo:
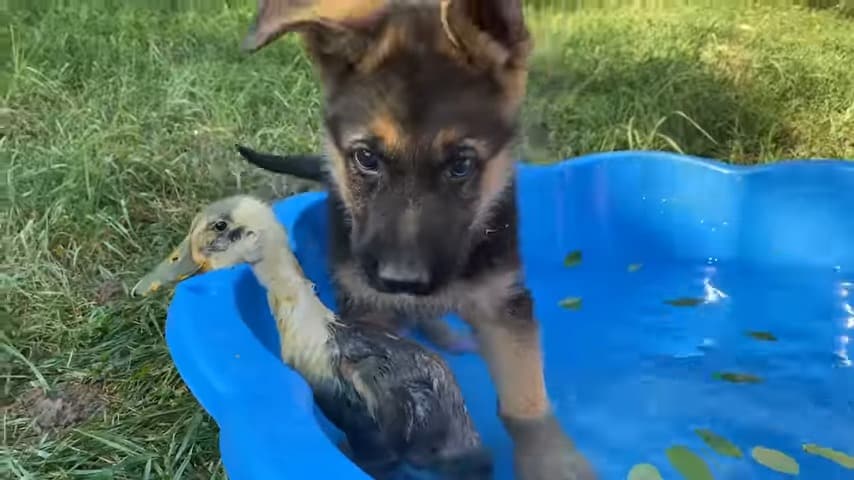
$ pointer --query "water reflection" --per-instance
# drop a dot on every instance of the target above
(842, 352)
(845, 339)
(711, 293)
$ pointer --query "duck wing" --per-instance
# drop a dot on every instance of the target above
(404, 386)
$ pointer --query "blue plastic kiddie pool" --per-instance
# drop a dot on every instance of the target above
(675, 294)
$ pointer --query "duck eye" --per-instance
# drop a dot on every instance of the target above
(220, 226)
(366, 160)
(462, 163)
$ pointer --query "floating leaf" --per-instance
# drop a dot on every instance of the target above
(688, 463)
(571, 303)
(644, 471)
(572, 258)
(733, 377)
(719, 443)
(762, 336)
(775, 460)
(841, 458)
(685, 301)
(634, 267)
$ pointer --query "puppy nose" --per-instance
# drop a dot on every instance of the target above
(403, 277)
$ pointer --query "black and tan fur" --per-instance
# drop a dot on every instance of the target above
(420, 112)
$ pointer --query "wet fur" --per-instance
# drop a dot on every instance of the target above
(411, 415)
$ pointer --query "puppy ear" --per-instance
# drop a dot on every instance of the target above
(277, 17)
(488, 31)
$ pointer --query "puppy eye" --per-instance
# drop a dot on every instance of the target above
(220, 226)
(460, 168)
(366, 160)
(462, 164)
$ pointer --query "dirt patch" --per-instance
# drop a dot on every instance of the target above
(107, 291)
(731, 60)
(66, 406)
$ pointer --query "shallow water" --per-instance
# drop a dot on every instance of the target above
(631, 375)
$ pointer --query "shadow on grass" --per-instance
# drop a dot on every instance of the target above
(739, 85)
(675, 104)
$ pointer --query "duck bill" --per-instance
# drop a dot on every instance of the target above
(179, 265)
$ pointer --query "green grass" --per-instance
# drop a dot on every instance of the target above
(117, 127)
(746, 87)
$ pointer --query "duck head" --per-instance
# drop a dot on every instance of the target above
(225, 233)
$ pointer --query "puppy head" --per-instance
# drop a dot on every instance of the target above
(421, 107)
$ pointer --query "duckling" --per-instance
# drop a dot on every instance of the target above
(398, 404)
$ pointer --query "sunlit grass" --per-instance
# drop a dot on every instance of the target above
(745, 87)
(117, 126)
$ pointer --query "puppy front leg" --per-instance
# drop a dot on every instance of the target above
(510, 343)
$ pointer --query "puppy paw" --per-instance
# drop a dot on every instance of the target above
(542, 451)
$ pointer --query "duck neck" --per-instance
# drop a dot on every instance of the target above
(303, 321)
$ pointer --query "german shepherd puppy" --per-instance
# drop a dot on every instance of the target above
(421, 106)
(310, 167)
